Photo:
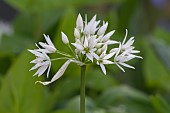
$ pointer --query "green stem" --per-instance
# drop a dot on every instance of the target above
(82, 89)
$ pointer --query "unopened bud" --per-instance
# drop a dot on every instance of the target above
(64, 38)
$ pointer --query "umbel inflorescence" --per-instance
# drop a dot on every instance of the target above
(90, 46)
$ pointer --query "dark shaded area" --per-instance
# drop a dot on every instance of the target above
(7, 13)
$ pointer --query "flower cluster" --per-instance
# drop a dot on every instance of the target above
(91, 46)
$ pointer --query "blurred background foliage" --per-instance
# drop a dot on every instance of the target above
(143, 90)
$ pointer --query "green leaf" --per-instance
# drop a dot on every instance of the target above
(160, 33)
(155, 73)
(18, 93)
(124, 97)
(14, 44)
(160, 104)
(162, 50)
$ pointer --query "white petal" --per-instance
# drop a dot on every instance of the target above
(104, 48)
(135, 51)
(92, 20)
(102, 29)
(108, 55)
(78, 46)
(114, 50)
(108, 35)
(125, 37)
(98, 45)
(64, 38)
(107, 62)
(120, 67)
(79, 22)
(103, 68)
(129, 43)
(135, 56)
(118, 51)
(93, 27)
(85, 42)
(95, 55)
(51, 49)
(37, 60)
(44, 45)
(48, 40)
(48, 71)
(126, 65)
(44, 83)
(110, 42)
(90, 56)
(44, 50)
(92, 41)
(76, 33)
(58, 74)
(36, 53)
(42, 70)
(36, 66)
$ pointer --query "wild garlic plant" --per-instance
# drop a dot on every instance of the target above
(90, 46)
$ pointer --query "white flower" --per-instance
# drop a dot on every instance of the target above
(87, 46)
(64, 38)
(42, 62)
(103, 60)
(49, 47)
(91, 27)
(91, 45)
(125, 53)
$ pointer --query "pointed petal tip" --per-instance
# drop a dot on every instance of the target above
(43, 83)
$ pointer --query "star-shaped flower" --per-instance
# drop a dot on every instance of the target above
(42, 62)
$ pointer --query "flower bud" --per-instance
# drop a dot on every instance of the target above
(99, 51)
(76, 33)
(104, 48)
(98, 45)
(64, 38)
(79, 22)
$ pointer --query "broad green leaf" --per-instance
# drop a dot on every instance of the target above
(126, 12)
(162, 50)
(18, 93)
(160, 33)
(160, 105)
(35, 24)
(14, 44)
(156, 75)
(131, 100)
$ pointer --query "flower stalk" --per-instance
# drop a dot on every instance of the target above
(82, 89)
